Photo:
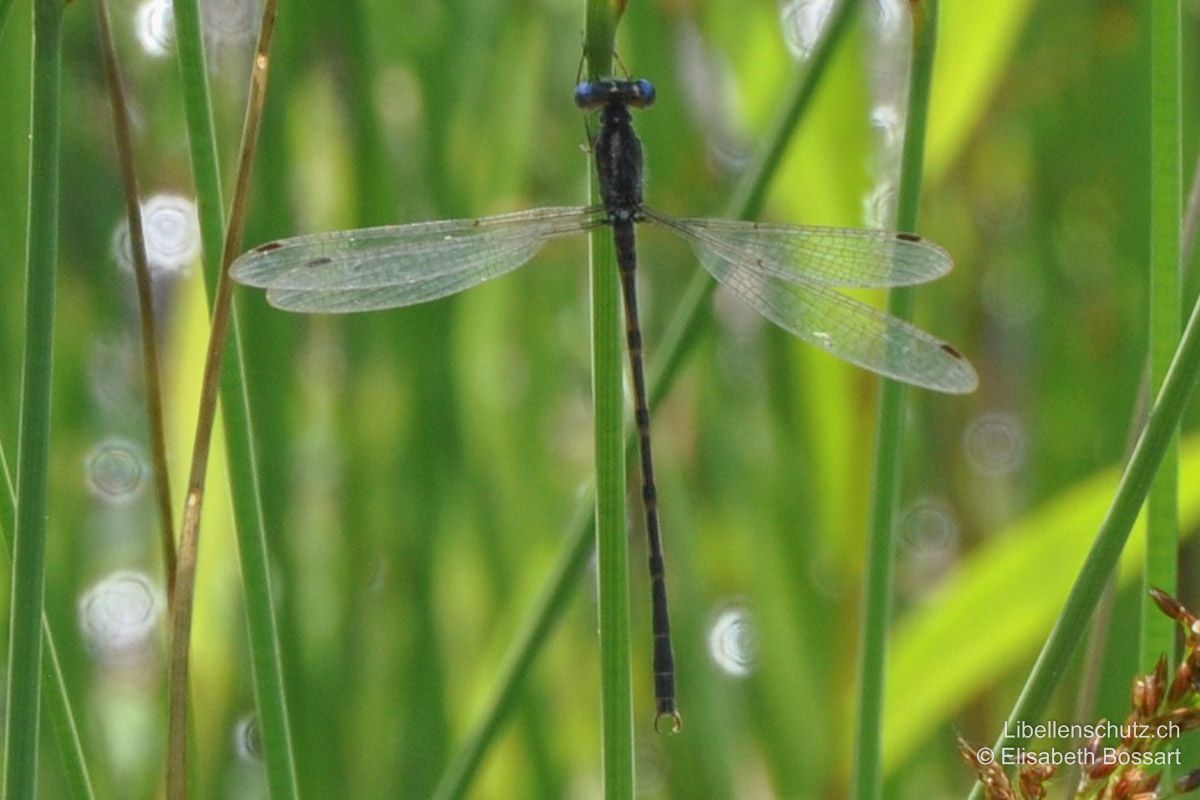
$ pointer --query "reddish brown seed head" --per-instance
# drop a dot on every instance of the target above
(1101, 768)
(1172, 607)
(1033, 778)
(1182, 682)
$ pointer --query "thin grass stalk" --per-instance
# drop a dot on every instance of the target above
(33, 446)
(612, 540)
(58, 701)
(1187, 249)
(145, 296)
(1091, 672)
(62, 720)
(1166, 186)
(612, 536)
(1102, 559)
(202, 137)
(273, 726)
(680, 338)
(881, 543)
(273, 721)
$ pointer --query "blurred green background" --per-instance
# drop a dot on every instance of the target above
(420, 468)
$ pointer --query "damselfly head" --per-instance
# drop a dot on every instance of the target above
(592, 95)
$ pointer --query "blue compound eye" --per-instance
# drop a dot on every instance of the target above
(588, 95)
(644, 91)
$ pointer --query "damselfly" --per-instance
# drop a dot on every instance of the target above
(785, 272)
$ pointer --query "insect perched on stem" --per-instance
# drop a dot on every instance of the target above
(785, 272)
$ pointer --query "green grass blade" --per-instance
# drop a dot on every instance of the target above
(600, 31)
(274, 729)
(33, 448)
(612, 536)
(612, 539)
(270, 697)
(881, 545)
(269, 693)
(1166, 187)
(58, 700)
(202, 137)
(62, 719)
(1102, 559)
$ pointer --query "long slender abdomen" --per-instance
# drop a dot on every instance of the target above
(664, 656)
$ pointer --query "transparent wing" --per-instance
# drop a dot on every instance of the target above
(847, 257)
(401, 265)
(844, 327)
